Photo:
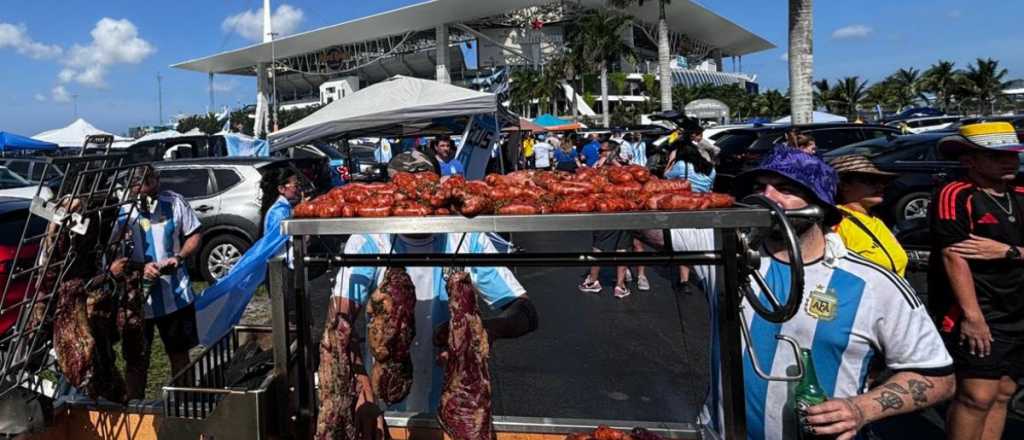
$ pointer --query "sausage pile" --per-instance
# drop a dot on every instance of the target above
(465, 411)
(529, 192)
(606, 433)
(391, 330)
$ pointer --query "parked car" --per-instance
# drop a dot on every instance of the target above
(917, 112)
(743, 148)
(1016, 120)
(920, 170)
(226, 195)
(13, 185)
(347, 163)
(925, 124)
(14, 212)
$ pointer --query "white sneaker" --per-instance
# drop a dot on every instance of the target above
(629, 276)
(590, 286)
(642, 284)
(621, 292)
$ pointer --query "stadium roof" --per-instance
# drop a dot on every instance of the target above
(683, 16)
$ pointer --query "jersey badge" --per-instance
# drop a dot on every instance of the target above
(823, 304)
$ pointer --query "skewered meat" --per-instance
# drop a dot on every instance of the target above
(101, 309)
(391, 330)
(465, 411)
(338, 386)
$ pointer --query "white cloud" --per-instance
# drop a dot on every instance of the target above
(224, 86)
(40, 97)
(249, 24)
(113, 42)
(784, 57)
(954, 14)
(853, 31)
(16, 37)
(60, 94)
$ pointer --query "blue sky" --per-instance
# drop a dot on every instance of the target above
(109, 52)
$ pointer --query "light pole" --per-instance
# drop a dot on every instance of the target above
(160, 98)
(273, 72)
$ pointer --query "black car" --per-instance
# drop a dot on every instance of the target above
(920, 170)
(743, 148)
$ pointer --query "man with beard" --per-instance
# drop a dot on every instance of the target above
(976, 275)
(852, 310)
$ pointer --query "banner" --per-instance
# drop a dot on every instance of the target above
(477, 145)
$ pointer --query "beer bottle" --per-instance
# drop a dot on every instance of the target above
(808, 392)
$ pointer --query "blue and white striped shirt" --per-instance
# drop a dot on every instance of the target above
(158, 232)
(852, 311)
(497, 287)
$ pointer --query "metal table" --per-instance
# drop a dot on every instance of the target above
(732, 254)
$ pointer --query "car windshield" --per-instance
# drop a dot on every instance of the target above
(872, 147)
(8, 179)
(735, 142)
(330, 151)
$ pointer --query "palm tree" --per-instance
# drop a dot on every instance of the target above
(524, 85)
(879, 94)
(564, 69)
(850, 91)
(600, 38)
(984, 83)
(664, 52)
(906, 85)
(801, 60)
(824, 95)
(774, 104)
(942, 79)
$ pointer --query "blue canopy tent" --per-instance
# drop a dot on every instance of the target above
(14, 142)
(549, 120)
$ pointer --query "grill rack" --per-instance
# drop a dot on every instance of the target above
(91, 186)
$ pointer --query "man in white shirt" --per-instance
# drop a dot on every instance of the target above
(543, 152)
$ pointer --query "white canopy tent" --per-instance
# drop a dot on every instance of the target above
(400, 106)
(816, 117)
(168, 134)
(74, 134)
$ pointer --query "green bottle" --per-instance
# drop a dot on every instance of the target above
(808, 392)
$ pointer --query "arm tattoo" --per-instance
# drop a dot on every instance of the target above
(918, 390)
(895, 388)
(889, 400)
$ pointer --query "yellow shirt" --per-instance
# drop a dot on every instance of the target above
(857, 240)
(528, 148)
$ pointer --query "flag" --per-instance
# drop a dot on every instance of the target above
(221, 305)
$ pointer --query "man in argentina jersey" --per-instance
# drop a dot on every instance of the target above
(163, 231)
(498, 288)
(852, 311)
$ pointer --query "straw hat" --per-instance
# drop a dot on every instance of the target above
(991, 136)
(856, 163)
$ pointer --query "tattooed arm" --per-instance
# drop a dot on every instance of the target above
(904, 392)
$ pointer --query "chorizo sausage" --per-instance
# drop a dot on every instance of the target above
(518, 209)
(373, 211)
(657, 186)
(411, 210)
(574, 205)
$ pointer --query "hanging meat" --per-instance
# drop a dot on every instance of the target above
(391, 330)
(84, 331)
(131, 325)
(338, 385)
(465, 411)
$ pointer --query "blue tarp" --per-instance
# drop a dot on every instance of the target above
(14, 142)
(549, 120)
(221, 305)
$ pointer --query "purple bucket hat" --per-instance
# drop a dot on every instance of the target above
(805, 170)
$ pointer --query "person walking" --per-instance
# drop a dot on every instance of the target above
(164, 232)
(608, 241)
(975, 276)
(852, 311)
(543, 152)
(861, 186)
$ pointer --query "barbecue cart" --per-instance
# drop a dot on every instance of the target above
(291, 412)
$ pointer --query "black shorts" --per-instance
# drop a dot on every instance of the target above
(1006, 358)
(177, 330)
(611, 241)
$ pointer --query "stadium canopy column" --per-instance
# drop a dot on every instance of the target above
(442, 54)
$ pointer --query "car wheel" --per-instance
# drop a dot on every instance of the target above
(220, 254)
(912, 206)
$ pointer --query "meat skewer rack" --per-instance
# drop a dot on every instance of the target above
(736, 236)
(87, 194)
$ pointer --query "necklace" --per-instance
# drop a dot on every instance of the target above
(1009, 205)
